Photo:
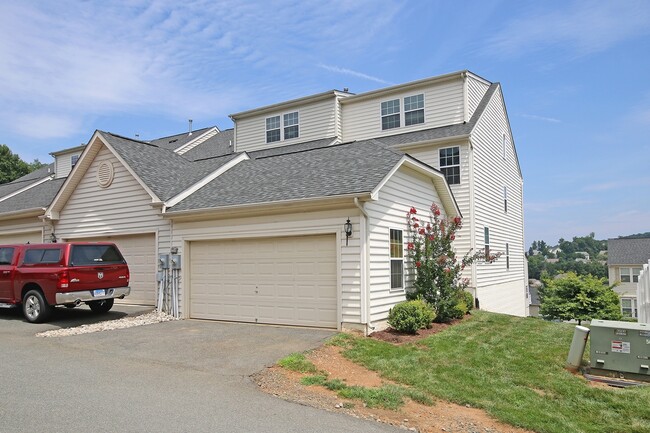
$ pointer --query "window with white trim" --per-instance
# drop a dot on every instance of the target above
(486, 241)
(629, 307)
(630, 275)
(507, 256)
(291, 127)
(272, 129)
(73, 160)
(450, 164)
(396, 259)
(505, 144)
(390, 114)
(282, 127)
(505, 199)
(414, 109)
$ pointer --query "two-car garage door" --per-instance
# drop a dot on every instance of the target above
(35, 237)
(281, 280)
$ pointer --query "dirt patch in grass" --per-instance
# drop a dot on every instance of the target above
(392, 336)
(442, 416)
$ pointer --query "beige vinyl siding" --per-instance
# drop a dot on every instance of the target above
(20, 231)
(622, 289)
(295, 224)
(316, 120)
(498, 288)
(123, 208)
(443, 105)
(431, 156)
(63, 164)
(475, 91)
(406, 188)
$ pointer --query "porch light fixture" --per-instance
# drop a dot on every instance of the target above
(348, 230)
(53, 237)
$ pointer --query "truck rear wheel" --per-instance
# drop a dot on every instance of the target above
(103, 306)
(35, 307)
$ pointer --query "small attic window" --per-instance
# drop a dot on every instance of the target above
(73, 160)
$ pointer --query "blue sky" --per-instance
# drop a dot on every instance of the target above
(574, 75)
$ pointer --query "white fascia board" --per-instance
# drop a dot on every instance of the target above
(154, 197)
(24, 213)
(417, 144)
(72, 180)
(306, 203)
(438, 179)
(28, 187)
(189, 143)
(209, 178)
(286, 104)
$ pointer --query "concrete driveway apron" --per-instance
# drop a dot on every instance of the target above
(182, 376)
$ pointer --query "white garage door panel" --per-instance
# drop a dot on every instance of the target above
(140, 253)
(288, 280)
(22, 238)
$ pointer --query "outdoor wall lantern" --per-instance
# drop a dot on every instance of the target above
(53, 238)
(348, 230)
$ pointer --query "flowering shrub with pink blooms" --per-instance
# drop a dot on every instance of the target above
(437, 269)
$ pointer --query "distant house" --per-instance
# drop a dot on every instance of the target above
(555, 250)
(297, 215)
(585, 256)
(625, 260)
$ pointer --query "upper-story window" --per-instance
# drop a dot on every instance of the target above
(630, 275)
(282, 127)
(390, 114)
(505, 145)
(486, 241)
(414, 109)
(505, 199)
(450, 164)
(291, 125)
(272, 129)
(73, 160)
(413, 112)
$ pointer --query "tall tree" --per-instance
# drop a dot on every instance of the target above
(12, 167)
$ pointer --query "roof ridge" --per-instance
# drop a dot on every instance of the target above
(306, 150)
(183, 133)
(133, 140)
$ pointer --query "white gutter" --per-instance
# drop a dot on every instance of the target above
(365, 266)
(28, 187)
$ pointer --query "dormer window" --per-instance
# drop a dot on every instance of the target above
(290, 127)
(73, 160)
(414, 109)
(390, 114)
(413, 112)
(272, 129)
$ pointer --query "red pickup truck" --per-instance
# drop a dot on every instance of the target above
(40, 276)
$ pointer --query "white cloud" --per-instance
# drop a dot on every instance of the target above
(190, 59)
(345, 71)
(542, 118)
(582, 27)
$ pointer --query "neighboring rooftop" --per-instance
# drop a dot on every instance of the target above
(39, 196)
(623, 251)
(26, 180)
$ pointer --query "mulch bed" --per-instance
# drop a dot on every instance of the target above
(395, 337)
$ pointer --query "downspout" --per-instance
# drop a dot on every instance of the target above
(365, 265)
(470, 149)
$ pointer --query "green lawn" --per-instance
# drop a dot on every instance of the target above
(511, 367)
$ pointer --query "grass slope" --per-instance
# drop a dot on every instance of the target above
(511, 367)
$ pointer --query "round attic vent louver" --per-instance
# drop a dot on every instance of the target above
(105, 174)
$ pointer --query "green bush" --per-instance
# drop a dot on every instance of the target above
(468, 300)
(410, 316)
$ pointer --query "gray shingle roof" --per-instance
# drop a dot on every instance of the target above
(175, 141)
(218, 145)
(356, 167)
(448, 131)
(299, 147)
(163, 171)
(39, 196)
(628, 251)
(28, 179)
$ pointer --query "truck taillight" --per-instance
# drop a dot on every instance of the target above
(64, 280)
(128, 277)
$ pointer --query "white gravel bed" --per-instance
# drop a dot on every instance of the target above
(109, 325)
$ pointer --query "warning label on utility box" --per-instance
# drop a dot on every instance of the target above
(620, 346)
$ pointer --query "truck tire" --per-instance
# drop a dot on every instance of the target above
(103, 306)
(35, 307)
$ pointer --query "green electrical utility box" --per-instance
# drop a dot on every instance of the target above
(622, 347)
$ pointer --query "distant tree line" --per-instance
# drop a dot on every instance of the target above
(569, 251)
(12, 166)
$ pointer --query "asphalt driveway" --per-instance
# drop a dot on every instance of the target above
(182, 376)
